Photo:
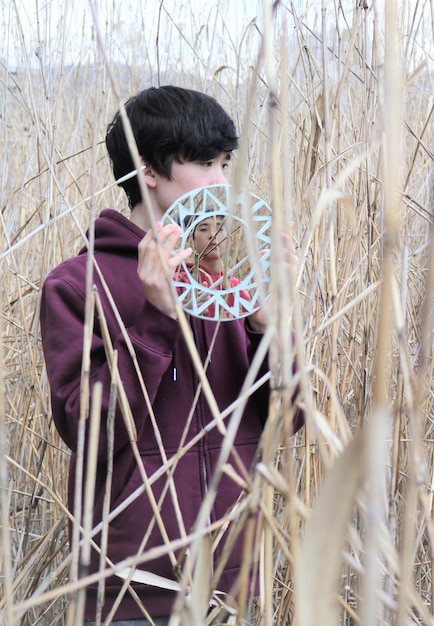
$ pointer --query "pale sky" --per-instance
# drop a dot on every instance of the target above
(63, 31)
(66, 27)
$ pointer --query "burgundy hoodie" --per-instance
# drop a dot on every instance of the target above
(171, 384)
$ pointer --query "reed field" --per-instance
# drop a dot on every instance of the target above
(334, 103)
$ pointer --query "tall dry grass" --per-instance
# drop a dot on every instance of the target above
(335, 104)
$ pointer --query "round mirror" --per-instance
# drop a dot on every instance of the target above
(227, 275)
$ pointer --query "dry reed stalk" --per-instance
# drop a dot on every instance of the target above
(378, 427)
(5, 541)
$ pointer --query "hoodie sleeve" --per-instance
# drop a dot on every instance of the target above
(153, 337)
(262, 395)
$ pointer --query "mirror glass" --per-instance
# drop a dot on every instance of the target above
(227, 275)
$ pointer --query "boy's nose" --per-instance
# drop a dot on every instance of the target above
(219, 177)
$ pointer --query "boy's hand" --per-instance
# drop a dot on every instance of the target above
(258, 319)
(289, 251)
(150, 268)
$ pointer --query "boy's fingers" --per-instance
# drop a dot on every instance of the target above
(166, 237)
(178, 256)
(290, 252)
(167, 232)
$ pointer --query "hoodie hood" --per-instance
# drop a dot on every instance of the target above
(114, 231)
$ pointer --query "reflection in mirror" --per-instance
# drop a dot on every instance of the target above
(227, 275)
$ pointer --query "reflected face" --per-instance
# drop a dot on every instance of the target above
(210, 238)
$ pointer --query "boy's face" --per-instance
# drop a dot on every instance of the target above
(210, 238)
(186, 177)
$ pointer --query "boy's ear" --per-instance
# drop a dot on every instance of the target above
(149, 175)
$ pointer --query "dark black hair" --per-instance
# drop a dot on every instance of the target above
(169, 124)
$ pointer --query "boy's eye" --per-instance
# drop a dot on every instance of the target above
(224, 165)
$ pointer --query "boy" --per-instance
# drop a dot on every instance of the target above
(185, 140)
